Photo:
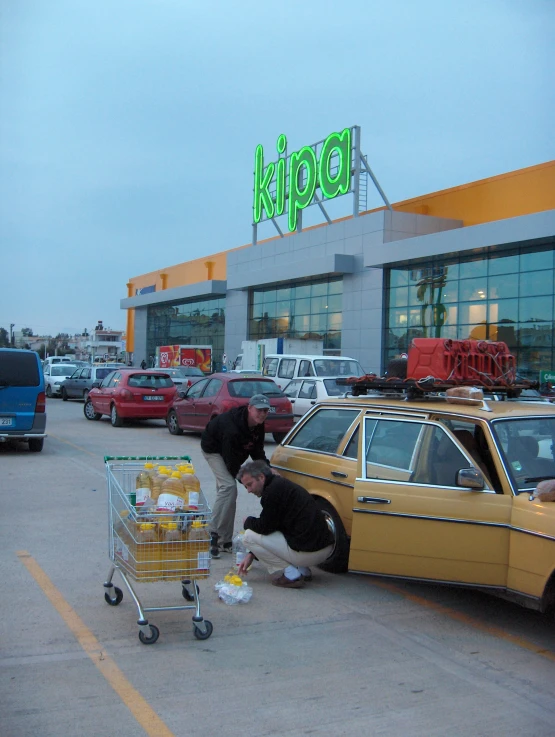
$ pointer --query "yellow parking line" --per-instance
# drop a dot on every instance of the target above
(77, 447)
(141, 710)
(470, 621)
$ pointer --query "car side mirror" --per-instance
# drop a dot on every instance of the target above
(470, 478)
(181, 393)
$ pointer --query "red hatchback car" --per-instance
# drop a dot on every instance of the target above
(192, 409)
(131, 394)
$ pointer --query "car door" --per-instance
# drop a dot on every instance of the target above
(307, 397)
(185, 408)
(205, 405)
(291, 391)
(412, 519)
(84, 382)
(106, 392)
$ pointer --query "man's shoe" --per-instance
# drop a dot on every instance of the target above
(306, 578)
(215, 552)
(227, 548)
(214, 547)
(287, 583)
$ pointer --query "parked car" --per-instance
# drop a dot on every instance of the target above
(54, 375)
(22, 398)
(284, 367)
(304, 393)
(184, 376)
(432, 490)
(79, 384)
(131, 394)
(194, 408)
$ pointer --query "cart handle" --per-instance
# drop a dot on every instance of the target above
(146, 458)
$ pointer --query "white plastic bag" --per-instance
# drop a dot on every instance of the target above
(233, 590)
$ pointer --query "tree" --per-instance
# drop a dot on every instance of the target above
(27, 332)
(4, 338)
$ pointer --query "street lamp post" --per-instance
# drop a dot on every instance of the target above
(12, 326)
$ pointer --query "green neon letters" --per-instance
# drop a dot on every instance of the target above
(306, 173)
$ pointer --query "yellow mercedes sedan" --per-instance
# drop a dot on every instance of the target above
(434, 489)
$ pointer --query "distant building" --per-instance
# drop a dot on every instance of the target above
(104, 344)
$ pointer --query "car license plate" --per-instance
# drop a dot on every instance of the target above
(6, 421)
(153, 398)
(272, 409)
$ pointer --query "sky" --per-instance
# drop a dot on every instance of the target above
(128, 127)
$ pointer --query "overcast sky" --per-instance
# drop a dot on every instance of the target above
(128, 127)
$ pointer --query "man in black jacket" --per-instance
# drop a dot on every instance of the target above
(291, 533)
(227, 441)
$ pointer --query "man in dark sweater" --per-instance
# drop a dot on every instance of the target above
(227, 441)
(291, 533)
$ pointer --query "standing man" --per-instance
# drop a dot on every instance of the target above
(226, 443)
(291, 533)
(143, 364)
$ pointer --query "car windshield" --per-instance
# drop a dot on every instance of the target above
(62, 369)
(250, 387)
(337, 367)
(527, 446)
(332, 389)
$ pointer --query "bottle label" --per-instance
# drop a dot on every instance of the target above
(203, 561)
(168, 502)
(142, 494)
(193, 499)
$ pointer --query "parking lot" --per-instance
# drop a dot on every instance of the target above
(345, 655)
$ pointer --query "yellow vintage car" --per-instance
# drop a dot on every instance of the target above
(433, 489)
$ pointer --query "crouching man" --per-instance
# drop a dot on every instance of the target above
(291, 533)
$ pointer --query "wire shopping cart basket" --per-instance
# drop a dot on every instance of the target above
(147, 545)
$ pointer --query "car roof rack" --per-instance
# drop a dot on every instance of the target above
(411, 389)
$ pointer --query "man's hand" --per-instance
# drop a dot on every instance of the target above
(243, 567)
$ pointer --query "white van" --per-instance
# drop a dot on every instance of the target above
(282, 368)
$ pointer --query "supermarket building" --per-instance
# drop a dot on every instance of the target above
(473, 261)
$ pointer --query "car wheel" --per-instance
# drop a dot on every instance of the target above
(89, 411)
(173, 423)
(278, 436)
(48, 390)
(85, 395)
(64, 394)
(339, 559)
(115, 419)
(35, 445)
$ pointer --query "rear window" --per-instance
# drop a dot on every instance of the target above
(19, 369)
(150, 381)
(62, 369)
(337, 367)
(101, 373)
(250, 387)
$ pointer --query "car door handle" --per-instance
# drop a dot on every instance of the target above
(339, 475)
(313, 402)
(373, 500)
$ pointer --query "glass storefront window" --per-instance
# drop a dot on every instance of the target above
(514, 303)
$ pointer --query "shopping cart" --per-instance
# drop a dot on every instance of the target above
(145, 546)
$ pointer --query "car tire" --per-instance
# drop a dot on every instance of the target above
(339, 559)
(48, 390)
(36, 444)
(173, 423)
(115, 419)
(85, 395)
(89, 412)
(278, 436)
(64, 394)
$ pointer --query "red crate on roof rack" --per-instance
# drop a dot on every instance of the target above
(482, 362)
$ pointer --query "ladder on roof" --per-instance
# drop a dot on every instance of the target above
(362, 191)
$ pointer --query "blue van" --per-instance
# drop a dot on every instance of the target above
(22, 398)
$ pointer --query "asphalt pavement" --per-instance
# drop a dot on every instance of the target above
(345, 655)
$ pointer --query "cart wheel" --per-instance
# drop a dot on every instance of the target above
(187, 594)
(199, 634)
(117, 600)
(155, 634)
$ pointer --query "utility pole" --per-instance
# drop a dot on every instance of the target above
(12, 326)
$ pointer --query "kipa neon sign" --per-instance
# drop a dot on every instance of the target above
(290, 184)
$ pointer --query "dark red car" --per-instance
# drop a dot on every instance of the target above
(131, 394)
(192, 409)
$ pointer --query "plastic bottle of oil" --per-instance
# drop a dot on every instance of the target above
(162, 473)
(173, 550)
(143, 487)
(147, 551)
(191, 486)
(170, 499)
(199, 545)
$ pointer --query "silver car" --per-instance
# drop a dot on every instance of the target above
(54, 375)
(79, 384)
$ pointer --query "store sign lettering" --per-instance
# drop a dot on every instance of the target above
(290, 183)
